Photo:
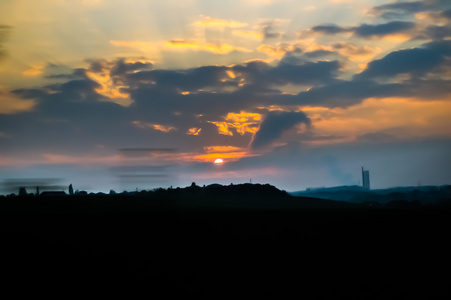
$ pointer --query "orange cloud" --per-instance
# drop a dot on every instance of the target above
(33, 71)
(356, 53)
(159, 127)
(243, 122)
(227, 153)
(108, 88)
(194, 131)
(272, 51)
(400, 117)
(223, 128)
(398, 37)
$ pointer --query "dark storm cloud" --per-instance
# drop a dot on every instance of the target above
(185, 80)
(162, 100)
(343, 93)
(303, 73)
(268, 30)
(275, 124)
(416, 61)
(367, 30)
(63, 121)
(446, 14)
(72, 116)
(253, 74)
(319, 53)
(121, 67)
(398, 9)
(347, 93)
(438, 32)
(330, 29)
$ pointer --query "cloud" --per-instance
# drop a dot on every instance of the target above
(227, 153)
(111, 76)
(217, 49)
(4, 32)
(253, 35)
(194, 131)
(415, 61)
(268, 28)
(275, 124)
(243, 122)
(302, 73)
(354, 52)
(143, 46)
(278, 50)
(438, 32)
(218, 23)
(12, 104)
(398, 118)
(365, 30)
(379, 30)
(397, 9)
(330, 29)
(34, 71)
(159, 127)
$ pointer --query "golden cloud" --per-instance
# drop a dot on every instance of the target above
(194, 131)
(253, 35)
(278, 50)
(223, 128)
(356, 53)
(159, 127)
(218, 49)
(228, 153)
(33, 71)
(108, 88)
(243, 122)
(401, 117)
(218, 23)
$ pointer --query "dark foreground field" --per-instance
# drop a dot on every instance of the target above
(72, 247)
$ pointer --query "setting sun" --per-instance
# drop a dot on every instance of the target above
(218, 161)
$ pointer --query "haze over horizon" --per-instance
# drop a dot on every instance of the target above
(143, 94)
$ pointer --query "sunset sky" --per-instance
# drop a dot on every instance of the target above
(110, 94)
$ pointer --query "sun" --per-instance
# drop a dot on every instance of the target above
(218, 161)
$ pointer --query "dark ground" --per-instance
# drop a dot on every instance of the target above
(352, 253)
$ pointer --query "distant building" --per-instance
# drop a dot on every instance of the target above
(366, 179)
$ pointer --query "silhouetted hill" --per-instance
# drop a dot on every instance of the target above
(218, 242)
(405, 196)
(215, 196)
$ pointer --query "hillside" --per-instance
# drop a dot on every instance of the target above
(219, 242)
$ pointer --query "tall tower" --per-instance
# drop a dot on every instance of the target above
(366, 179)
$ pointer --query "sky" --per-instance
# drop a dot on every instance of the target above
(139, 94)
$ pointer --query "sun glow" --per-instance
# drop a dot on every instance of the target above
(219, 161)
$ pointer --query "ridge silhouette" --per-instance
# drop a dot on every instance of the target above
(218, 242)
